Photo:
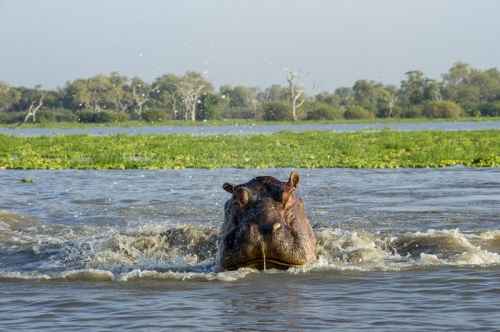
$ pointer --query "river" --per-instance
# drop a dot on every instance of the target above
(253, 129)
(405, 250)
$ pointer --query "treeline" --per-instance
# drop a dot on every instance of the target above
(462, 91)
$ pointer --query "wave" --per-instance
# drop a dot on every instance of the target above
(30, 250)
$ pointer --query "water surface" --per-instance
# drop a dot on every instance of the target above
(404, 250)
(253, 129)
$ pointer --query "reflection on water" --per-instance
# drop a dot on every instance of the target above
(252, 129)
(403, 249)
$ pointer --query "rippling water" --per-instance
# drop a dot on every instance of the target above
(253, 129)
(398, 249)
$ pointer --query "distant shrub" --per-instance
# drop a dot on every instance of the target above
(209, 112)
(412, 112)
(11, 117)
(153, 115)
(119, 116)
(358, 112)
(442, 109)
(490, 109)
(323, 112)
(56, 115)
(275, 111)
(386, 112)
(101, 117)
(238, 113)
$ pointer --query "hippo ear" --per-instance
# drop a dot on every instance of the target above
(242, 196)
(293, 180)
(228, 187)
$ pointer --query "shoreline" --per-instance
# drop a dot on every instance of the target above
(238, 122)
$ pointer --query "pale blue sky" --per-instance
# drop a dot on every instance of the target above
(332, 42)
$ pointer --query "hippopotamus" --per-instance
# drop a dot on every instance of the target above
(265, 226)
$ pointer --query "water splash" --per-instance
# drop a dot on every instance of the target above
(32, 250)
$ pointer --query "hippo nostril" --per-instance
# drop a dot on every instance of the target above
(268, 229)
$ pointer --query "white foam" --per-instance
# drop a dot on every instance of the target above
(228, 276)
(146, 252)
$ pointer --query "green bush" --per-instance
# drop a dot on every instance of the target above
(56, 115)
(442, 109)
(154, 115)
(239, 113)
(276, 111)
(358, 112)
(412, 112)
(490, 109)
(323, 112)
(11, 117)
(386, 112)
(101, 117)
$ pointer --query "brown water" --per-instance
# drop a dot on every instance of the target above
(404, 250)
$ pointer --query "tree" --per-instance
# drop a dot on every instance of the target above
(274, 93)
(345, 97)
(34, 98)
(387, 102)
(275, 111)
(358, 112)
(239, 96)
(413, 88)
(119, 92)
(459, 73)
(165, 94)
(471, 88)
(322, 111)
(296, 93)
(211, 106)
(9, 96)
(95, 93)
(327, 97)
(367, 94)
(77, 95)
(141, 93)
(190, 88)
(433, 90)
(442, 109)
(101, 92)
(241, 101)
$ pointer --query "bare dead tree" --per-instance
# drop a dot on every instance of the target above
(94, 99)
(140, 98)
(190, 90)
(393, 99)
(34, 107)
(172, 98)
(296, 93)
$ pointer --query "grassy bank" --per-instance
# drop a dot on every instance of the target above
(386, 149)
(235, 122)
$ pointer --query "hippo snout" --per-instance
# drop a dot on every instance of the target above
(269, 229)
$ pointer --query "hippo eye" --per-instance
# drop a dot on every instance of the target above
(242, 196)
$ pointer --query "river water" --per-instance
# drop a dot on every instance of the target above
(403, 250)
(253, 129)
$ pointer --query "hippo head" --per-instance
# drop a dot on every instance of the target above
(265, 226)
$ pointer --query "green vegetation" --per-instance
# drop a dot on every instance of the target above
(442, 109)
(115, 98)
(321, 111)
(386, 149)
